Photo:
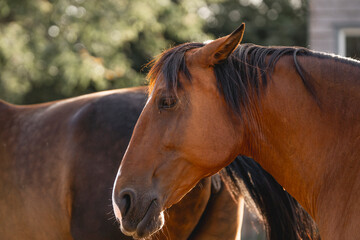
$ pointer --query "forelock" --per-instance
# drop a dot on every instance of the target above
(167, 66)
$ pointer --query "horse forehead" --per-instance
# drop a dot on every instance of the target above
(198, 59)
(192, 59)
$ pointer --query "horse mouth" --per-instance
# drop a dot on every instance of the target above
(152, 221)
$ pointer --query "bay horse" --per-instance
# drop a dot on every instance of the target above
(295, 111)
(58, 161)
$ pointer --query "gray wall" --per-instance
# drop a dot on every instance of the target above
(327, 17)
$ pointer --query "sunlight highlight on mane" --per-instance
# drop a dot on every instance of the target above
(168, 65)
(336, 57)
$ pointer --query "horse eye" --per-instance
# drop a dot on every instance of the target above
(167, 102)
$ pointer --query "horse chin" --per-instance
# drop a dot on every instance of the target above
(152, 222)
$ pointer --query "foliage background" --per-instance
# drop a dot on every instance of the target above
(53, 49)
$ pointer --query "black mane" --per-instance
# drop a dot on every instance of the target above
(246, 72)
(169, 64)
(242, 76)
(283, 217)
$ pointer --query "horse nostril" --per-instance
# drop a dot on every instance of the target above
(126, 198)
(125, 203)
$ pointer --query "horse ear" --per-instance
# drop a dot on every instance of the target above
(220, 49)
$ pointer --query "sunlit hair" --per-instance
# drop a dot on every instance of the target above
(169, 65)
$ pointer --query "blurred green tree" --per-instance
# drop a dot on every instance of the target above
(268, 22)
(52, 49)
(56, 49)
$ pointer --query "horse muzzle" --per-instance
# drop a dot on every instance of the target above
(139, 217)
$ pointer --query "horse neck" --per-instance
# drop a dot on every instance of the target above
(303, 138)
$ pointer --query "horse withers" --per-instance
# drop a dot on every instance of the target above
(58, 161)
(295, 111)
